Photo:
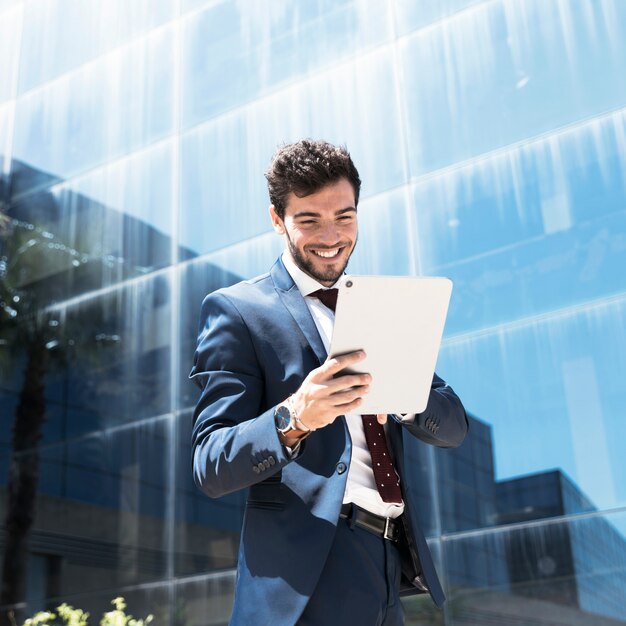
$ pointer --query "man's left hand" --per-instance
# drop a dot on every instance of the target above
(382, 418)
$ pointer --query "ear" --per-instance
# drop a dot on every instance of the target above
(277, 223)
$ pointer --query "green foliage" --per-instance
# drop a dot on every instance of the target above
(70, 616)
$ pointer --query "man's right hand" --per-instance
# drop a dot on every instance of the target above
(323, 395)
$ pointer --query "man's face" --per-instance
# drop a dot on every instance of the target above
(320, 230)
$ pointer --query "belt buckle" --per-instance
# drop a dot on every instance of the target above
(388, 532)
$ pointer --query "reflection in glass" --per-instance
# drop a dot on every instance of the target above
(108, 226)
(67, 126)
(10, 31)
(513, 228)
(565, 572)
(384, 223)
(93, 27)
(252, 48)
(506, 71)
(552, 388)
(7, 112)
(100, 513)
(206, 598)
(118, 354)
(201, 521)
(225, 197)
(490, 137)
(411, 15)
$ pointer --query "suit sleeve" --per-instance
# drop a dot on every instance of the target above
(443, 423)
(234, 442)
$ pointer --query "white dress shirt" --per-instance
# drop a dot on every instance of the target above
(360, 487)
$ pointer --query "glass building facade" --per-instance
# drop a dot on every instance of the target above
(491, 139)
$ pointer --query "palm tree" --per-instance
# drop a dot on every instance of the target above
(26, 253)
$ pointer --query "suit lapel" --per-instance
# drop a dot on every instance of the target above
(293, 300)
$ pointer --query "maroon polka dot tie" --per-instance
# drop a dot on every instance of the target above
(385, 475)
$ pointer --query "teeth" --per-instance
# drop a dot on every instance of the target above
(327, 254)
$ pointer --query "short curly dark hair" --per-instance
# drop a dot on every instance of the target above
(305, 167)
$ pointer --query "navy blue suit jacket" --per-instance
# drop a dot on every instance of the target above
(257, 343)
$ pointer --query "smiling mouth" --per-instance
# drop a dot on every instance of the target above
(327, 254)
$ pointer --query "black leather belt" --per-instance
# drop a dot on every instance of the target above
(385, 527)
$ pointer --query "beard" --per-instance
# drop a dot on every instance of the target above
(328, 276)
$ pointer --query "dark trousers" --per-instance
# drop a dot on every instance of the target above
(359, 583)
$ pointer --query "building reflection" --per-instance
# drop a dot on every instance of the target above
(574, 558)
(115, 506)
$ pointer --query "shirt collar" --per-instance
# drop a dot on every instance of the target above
(305, 283)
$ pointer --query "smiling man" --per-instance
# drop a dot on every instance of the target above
(330, 533)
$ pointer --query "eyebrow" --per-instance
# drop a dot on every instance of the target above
(314, 214)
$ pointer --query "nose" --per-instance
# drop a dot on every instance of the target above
(329, 234)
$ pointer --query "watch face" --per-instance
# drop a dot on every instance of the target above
(282, 417)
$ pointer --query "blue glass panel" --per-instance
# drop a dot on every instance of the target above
(204, 275)
(107, 226)
(188, 5)
(552, 389)
(100, 112)
(567, 572)
(544, 274)
(10, 30)
(236, 52)
(208, 529)
(384, 245)
(286, 13)
(6, 131)
(413, 14)
(8, 403)
(108, 359)
(101, 506)
(224, 192)
(93, 28)
(5, 4)
(206, 595)
(508, 71)
(512, 229)
(538, 189)
(464, 493)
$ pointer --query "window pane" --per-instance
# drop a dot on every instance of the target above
(93, 231)
(93, 27)
(235, 52)
(224, 192)
(102, 360)
(572, 570)
(508, 71)
(67, 126)
(413, 14)
(207, 529)
(512, 229)
(10, 30)
(540, 384)
(101, 508)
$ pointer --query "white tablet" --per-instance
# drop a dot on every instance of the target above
(399, 322)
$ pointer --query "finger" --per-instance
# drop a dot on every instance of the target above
(382, 418)
(348, 395)
(337, 363)
(349, 407)
(347, 381)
